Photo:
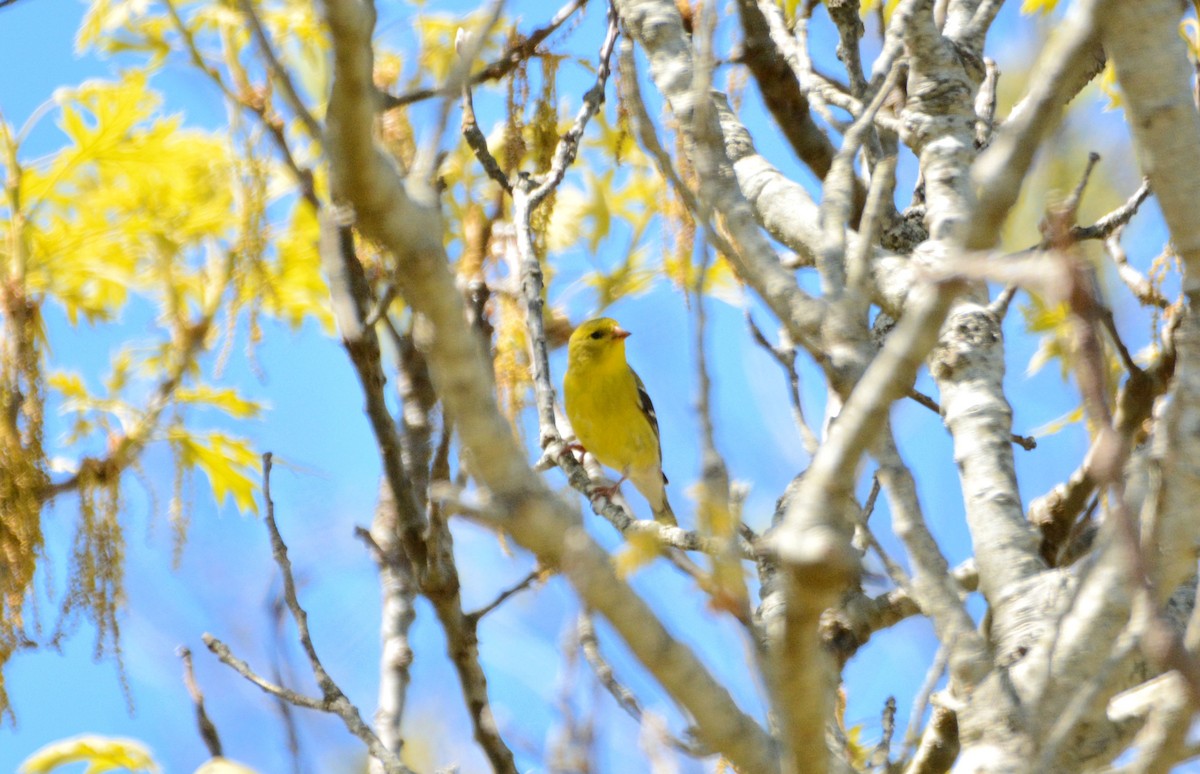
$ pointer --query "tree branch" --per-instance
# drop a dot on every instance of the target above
(406, 222)
(332, 699)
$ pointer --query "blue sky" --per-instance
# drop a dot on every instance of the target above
(326, 483)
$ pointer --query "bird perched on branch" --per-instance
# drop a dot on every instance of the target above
(611, 411)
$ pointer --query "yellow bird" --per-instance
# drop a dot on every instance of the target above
(611, 411)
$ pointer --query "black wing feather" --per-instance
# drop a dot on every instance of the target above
(647, 407)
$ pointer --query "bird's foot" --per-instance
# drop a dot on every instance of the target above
(607, 489)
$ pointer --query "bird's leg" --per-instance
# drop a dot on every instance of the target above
(607, 490)
(602, 490)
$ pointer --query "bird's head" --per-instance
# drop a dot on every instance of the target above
(598, 341)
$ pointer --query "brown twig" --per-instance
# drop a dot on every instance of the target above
(332, 699)
(622, 695)
(879, 756)
(1026, 442)
(208, 731)
(256, 106)
(278, 73)
(533, 576)
(1105, 226)
(523, 49)
(786, 358)
(478, 143)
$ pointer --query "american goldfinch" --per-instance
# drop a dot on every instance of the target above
(611, 412)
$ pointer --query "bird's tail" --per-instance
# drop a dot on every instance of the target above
(664, 514)
(652, 484)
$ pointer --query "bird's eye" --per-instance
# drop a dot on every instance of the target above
(597, 335)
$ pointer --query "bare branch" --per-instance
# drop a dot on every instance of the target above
(398, 589)
(1000, 170)
(478, 143)
(781, 91)
(278, 74)
(1026, 442)
(624, 697)
(208, 731)
(332, 699)
(503, 596)
(1106, 226)
(222, 652)
(568, 144)
(1138, 284)
(406, 222)
(520, 51)
(786, 358)
(657, 26)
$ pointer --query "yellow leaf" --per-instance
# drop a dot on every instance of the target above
(101, 753)
(70, 385)
(640, 549)
(1108, 85)
(296, 288)
(227, 400)
(1060, 424)
(1043, 7)
(229, 464)
(596, 207)
(854, 746)
(104, 17)
(867, 6)
(1041, 317)
(1189, 30)
(631, 278)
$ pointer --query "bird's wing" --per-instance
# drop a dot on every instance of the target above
(647, 407)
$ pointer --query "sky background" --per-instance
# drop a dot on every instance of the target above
(326, 477)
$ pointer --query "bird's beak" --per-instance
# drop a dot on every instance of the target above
(620, 333)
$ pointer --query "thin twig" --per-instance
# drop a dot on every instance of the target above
(715, 513)
(478, 143)
(1072, 203)
(523, 49)
(222, 652)
(879, 756)
(786, 358)
(279, 659)
(1026, 442)
(278, 73)
(623, 696)
(568, 144)
(1106, 225)
(333, 700)
(921, 701)
(503, 596)
(882, 188)
(647, 136)
(1141, 287)
(208, 731)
